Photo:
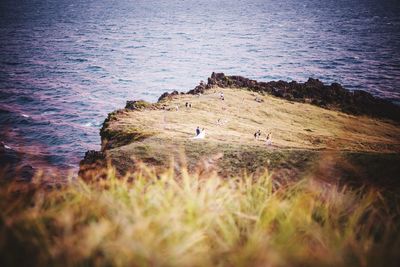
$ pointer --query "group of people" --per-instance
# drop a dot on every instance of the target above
(201, 133)
(187, 105)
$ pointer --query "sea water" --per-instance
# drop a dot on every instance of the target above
(65, 64)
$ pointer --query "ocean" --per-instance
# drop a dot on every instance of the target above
(65, 64)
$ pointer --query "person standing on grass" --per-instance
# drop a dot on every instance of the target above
(201, 134)
(197, 130)
(269, 139)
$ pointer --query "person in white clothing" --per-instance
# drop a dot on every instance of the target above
(201, 135)
(269, 139)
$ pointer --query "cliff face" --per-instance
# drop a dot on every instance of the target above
(303, 134)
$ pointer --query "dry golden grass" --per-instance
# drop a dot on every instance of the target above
(161, 219)
(299, 133)
(199, 218)
(293, 125)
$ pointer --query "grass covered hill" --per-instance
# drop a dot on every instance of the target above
(305, 137)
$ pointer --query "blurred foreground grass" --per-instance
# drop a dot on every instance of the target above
(149, 219)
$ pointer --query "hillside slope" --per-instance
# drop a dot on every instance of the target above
(303, 136)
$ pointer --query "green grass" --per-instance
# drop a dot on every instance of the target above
(149, 219)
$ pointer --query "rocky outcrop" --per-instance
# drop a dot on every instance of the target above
(92, 163)
(138, 105)
(93, 156)
(167, 95)
(334, 96)
(313, 91)
(201, 88)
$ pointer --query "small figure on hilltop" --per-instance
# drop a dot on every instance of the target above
(221, 121)
(257, 135)
(259, 100)
(269, 139)
(221, 96)
(176, 107)
(201, 133)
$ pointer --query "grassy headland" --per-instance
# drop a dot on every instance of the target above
(304, 137)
